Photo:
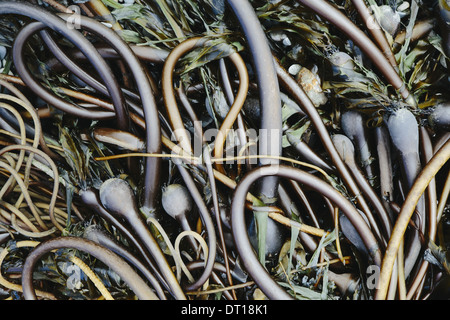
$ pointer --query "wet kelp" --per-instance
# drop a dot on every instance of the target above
(223, 150)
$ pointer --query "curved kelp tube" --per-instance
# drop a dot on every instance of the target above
(347, 151)
(207, 222)
(244, 247)
(74, 36)
(301, 97)
(171, 103)
(404, 132)
(353, 125)
(56, 23)
(91, 199)
(99, 235)
(421, 183)
(335, 16)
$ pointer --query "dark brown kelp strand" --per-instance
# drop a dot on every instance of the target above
(224, 150)
(259, 274)
(116, 263)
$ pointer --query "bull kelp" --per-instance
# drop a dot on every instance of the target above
(224, 150)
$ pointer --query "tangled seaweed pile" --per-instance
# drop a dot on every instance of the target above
(224, 150)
